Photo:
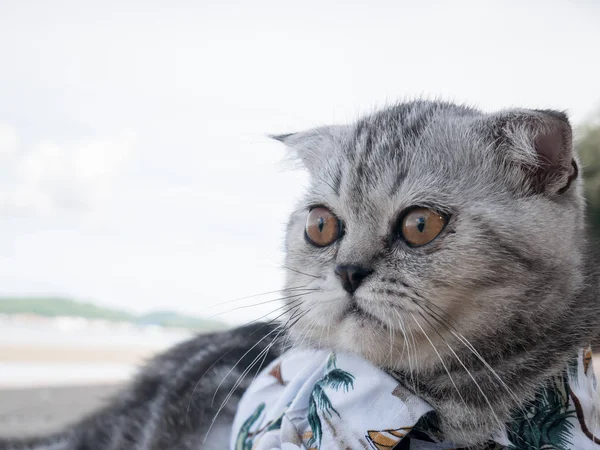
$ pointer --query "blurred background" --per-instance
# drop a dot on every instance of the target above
(140, 200)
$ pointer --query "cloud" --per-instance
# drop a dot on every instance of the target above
(9, 141)
(48, 177)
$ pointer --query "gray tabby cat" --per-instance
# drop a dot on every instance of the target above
(445, 245)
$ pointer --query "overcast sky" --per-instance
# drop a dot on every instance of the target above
(134, 168)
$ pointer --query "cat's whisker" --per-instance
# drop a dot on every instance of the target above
(303, 291)
(279, 330)
(404, 338)
(510, 392)
(246, 297)
(289, 336)
(286, 326)
(311, 327)
(289, 326)
(299, 271)
(293, 302)
(302, 332)
(249, 350)
(412, 343)
(383, 313)
(286, 343)
(290, 303)
(321, 336)
(257, 371)
(391, 332)
(239, 381)
(464, 340)
(297, 336)
(229, 351)
(393, 328)
(440, 358)
(450, 328)
(485, 397)
(402, 329)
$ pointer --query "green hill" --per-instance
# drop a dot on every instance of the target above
(56, 306)
(176, 320)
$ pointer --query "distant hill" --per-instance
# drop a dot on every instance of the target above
(56, 306)
(176, 320)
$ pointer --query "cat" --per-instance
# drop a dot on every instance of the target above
(445, 245)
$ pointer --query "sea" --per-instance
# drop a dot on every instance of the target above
(37, 352)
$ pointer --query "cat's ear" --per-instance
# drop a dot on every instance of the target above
(314, 147)
(540, 144)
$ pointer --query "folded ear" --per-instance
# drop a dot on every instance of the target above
(313, 147)
(538, 142)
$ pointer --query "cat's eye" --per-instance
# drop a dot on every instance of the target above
(420, 226)
(323, 228)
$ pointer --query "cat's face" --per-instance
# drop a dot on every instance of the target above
(426, 222)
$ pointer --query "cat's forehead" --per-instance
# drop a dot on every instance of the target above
(401, 156)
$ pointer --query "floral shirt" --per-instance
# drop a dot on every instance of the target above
(313, 400)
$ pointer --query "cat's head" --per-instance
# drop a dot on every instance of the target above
(427, 220)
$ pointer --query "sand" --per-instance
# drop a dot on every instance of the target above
(36, 411)
(70, 354)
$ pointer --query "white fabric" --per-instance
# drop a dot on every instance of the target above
(317, 400)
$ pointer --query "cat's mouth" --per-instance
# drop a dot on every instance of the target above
(355, 311)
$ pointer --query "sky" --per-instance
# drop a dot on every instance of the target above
(135, 170)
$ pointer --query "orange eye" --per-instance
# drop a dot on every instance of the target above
(322, 227)
(421, 226)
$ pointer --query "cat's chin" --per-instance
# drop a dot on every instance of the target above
(356, 325)
(359, 333)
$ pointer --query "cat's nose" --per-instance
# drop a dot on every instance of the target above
(351, 276)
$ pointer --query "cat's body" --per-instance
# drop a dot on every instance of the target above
(474, 320)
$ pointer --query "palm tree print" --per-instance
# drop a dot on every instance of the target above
(545, 422)
(244, 437)
(319, 402)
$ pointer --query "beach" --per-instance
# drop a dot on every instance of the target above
(44, 388)
(54, 372)
(38, 411)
